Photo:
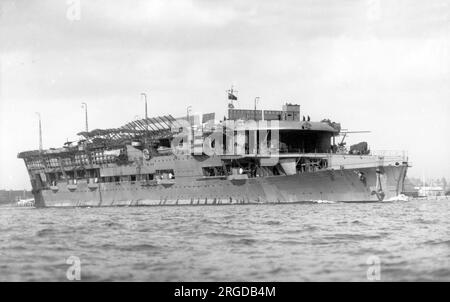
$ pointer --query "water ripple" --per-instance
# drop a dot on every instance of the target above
(294, 242)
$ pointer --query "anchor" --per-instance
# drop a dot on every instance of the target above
(379, 190)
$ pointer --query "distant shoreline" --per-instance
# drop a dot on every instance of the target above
(11, 196)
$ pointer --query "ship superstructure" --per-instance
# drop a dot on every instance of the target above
(251, 156)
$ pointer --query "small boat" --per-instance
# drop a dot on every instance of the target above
(29, 202)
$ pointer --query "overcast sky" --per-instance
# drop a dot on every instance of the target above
(372, 65)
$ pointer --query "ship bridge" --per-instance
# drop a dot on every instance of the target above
(287, 136)
(295, 134)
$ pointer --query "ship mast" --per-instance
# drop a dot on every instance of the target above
(40, 131)
(231, 95)
(188, 110)
(146, 112)
(256, 101)
(85, 115)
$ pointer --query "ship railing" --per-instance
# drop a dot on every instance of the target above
(391, 154)
(386, 155)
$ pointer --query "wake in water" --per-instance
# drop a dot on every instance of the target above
(293, 242)
(401, 197)
(323, 201)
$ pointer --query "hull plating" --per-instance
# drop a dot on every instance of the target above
(330, 185)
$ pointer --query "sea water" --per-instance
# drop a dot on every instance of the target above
(388, 241)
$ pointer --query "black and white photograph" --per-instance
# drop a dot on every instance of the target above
(209, 142)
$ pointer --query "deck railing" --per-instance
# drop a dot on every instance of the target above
(391, 153)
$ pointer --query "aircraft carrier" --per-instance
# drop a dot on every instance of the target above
(250, 157)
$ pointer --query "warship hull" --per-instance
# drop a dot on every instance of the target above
(344, 185)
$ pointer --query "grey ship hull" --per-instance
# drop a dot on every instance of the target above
(328, 185)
